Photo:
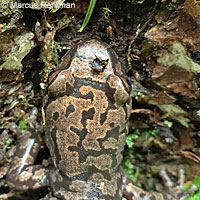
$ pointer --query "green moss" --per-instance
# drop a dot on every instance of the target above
(22, 46)
(129, 168)
(175, 112)
(22, 124)
(179, 58)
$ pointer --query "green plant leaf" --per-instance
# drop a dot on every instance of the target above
(88, 14)
(22, 124)
(196, 194)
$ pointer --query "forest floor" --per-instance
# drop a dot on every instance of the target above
(158, 45)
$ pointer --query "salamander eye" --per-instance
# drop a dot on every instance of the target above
(52, 75)
(127, 83)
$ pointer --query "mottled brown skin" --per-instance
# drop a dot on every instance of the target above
(87, 106)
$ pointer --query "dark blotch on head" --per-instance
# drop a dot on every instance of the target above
(70, 109)
(55, 116)
(69, 89)
(110, 92)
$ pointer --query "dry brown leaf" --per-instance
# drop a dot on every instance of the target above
(192, 7)
(184, 28)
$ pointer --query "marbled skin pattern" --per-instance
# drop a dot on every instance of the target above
(86, 106)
